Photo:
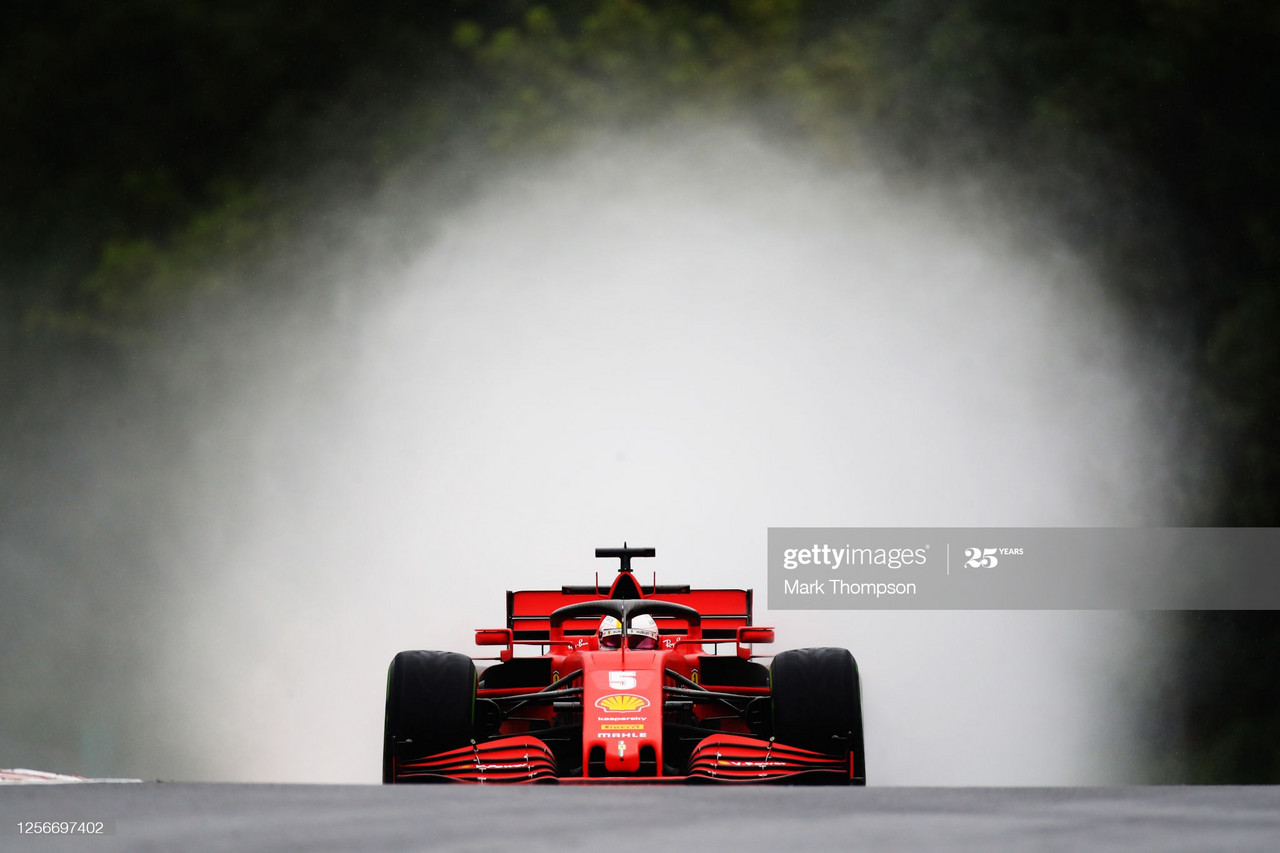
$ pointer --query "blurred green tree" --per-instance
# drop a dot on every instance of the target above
(151, 147)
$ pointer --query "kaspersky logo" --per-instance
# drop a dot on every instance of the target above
(619, 702)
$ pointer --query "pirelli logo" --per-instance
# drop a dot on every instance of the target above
(618, 727)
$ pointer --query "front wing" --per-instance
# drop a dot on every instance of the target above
(717, 758)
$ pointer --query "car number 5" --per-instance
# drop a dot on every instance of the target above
(622, 679)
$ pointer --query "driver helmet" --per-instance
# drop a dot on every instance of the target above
(643, 633)
(610, 633)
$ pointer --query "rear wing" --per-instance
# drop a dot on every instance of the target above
(723, 611)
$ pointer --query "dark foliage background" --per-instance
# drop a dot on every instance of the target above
(146, 141)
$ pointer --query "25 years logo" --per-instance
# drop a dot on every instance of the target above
(981, 558)
(987, 558)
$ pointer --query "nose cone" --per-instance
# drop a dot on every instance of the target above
(622, 709)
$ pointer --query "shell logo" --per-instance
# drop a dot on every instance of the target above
(622, 702)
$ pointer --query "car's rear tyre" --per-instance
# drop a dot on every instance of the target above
(430, 706)
(817, 704)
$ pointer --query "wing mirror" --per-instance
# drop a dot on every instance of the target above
(749, 634)
(493, 636)
(497, 637)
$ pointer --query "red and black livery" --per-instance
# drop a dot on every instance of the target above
(578, 713)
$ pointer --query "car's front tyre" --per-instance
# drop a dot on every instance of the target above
(430, 707)
(817, 704)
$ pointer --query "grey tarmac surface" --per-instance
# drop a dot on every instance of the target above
(216, 817)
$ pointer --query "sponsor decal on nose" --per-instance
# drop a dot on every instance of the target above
(622, 702)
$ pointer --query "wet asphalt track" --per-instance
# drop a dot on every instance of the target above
(205, 817)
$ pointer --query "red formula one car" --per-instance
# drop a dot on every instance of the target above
(624, 690)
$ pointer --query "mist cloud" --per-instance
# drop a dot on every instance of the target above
(676, 341)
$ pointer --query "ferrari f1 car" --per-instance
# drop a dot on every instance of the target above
(610, 701)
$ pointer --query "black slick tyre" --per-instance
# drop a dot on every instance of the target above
(817, 704)
(430, 707)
